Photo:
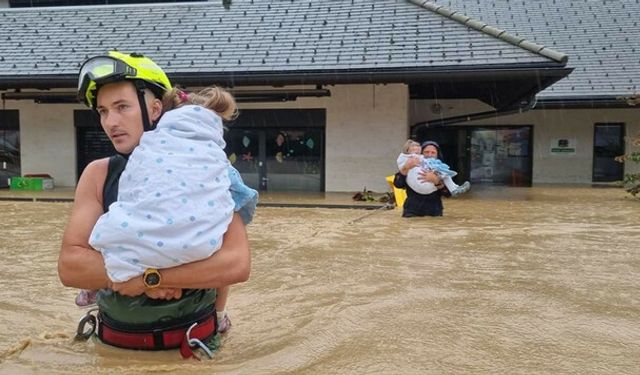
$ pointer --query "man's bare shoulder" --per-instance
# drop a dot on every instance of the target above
(96, 168)
(92, 179)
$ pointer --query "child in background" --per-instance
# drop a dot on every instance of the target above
(412, 149)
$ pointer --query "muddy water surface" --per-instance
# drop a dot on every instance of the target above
(520, 281)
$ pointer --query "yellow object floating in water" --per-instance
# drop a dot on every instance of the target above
(399, 194)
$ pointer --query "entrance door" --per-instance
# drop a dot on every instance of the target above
(484, 155)
(608, 142)
(278, 159)
(9, 146)
(279, 150)
(501, 156)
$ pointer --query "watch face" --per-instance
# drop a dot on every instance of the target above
(152, 279)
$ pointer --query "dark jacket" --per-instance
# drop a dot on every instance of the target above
(418, 204)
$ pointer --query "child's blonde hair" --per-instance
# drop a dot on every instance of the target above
(408, 144)
(215, 98)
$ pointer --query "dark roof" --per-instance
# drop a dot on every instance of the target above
(600, 36)
(265, 42)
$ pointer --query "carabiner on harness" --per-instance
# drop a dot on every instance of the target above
(194, 343)
(88, 318)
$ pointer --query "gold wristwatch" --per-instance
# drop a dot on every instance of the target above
(151, 278)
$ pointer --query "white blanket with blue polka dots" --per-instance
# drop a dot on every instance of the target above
(174, 200)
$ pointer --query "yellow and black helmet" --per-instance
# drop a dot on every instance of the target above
(116, 67)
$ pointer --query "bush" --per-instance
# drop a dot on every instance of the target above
(631, 182)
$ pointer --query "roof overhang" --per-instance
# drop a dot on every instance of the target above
(243, 96)
(499, 86)
(503, 89)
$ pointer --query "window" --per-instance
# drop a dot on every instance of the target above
(9, 146)
(91, 141)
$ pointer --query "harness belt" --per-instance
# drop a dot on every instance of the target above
(182, 337)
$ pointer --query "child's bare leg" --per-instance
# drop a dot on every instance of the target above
(224, 323)
(86, 297)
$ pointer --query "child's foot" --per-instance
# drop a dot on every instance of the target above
(224, 324)
(86, 298)
(461, 189)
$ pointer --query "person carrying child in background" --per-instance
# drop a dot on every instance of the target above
(428, 161)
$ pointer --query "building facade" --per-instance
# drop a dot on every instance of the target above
(329, 91)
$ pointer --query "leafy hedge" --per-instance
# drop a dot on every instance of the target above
(631, 181)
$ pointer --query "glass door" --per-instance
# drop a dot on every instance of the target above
(279, 149)
(294, 159)
(278, 159)
(243, 150)
(501, 156)
(608, 142)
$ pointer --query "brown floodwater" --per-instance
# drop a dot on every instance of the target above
(541, 280)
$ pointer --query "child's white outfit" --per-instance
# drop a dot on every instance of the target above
(176, 197)
(436, 165)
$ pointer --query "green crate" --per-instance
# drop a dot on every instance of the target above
(26, 183)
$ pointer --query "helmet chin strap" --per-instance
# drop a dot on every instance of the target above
(140, 87)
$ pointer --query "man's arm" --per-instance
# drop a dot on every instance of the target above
(231, 264)
(79, 265)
